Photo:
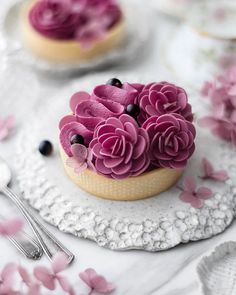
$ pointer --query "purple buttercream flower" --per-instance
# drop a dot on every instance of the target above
(73, 128)
(54, 18)
(120, 148)
(161, 98)
(125, 95)
(171, 140)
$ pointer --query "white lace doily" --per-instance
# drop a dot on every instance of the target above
(135, 39)
(154, 224)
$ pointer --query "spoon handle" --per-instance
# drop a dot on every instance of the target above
(27, 246)
(47, 241)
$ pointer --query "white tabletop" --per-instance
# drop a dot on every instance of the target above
(171, 272)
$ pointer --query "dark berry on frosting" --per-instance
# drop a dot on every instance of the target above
(77, 139)
(133, 110)
(114, 82)
(45, 148)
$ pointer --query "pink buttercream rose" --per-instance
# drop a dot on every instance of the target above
(161, 98)
(120, 148)
(171, 140)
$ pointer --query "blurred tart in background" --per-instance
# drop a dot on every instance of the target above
(67, 31)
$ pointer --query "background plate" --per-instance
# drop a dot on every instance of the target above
(154, 224)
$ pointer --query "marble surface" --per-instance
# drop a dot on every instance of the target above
(170, 272)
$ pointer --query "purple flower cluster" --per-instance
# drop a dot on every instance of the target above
(161, 134)
(222, 95)
(82, 20)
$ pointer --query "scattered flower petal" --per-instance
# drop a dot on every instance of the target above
(81, 159)
(6, 278)
(11, 227)
(193, 195)
(210, 173)
(222, 95)
(49, 276)
(96, 282)
(6, 126)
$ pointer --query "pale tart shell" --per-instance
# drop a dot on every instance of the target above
(130, 189)
(67, 51)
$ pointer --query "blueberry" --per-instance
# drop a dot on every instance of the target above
(77, 139)
(45, 148)
(133, 110)
(114, 82)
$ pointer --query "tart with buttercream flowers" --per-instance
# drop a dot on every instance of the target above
(68, 31)
(127, 141)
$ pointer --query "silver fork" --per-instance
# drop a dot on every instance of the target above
(27, 245)
(47, 241)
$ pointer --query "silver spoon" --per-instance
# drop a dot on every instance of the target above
(47, 241)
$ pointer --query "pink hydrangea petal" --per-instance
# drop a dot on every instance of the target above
(3, 133)
(80, 152)
(44, 275)
(59, 262)
(197, 203)
(87, 275)
(5, 126)
(207, 167)
(8, 271)
(34, 289)
(209, 122)
(71, 129)
(232, 91)
(73, 163)
(221, 175)
(186, 197)
(25, 275)
(64, 283)
(204, 193)
(101, 285)
(11, 227)
(189, 184)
